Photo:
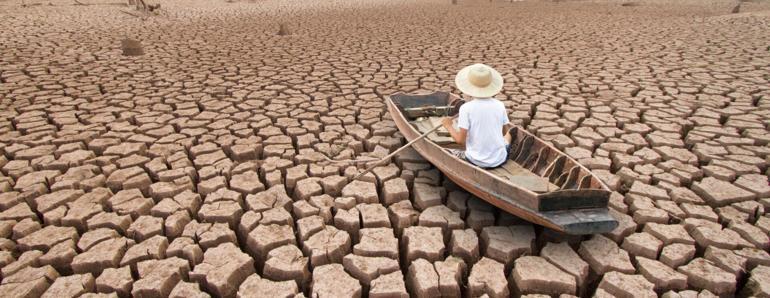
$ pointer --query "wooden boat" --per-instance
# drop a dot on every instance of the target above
(538, 183)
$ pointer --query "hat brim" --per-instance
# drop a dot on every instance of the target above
(465, 86)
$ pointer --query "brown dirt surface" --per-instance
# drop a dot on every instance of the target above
(194, 166)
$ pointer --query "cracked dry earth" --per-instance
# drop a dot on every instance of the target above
(197, 169)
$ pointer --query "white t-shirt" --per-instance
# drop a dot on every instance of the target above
(484, 119)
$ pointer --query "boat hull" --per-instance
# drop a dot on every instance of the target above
(500, 194)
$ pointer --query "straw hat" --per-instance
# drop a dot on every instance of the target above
(479, 80)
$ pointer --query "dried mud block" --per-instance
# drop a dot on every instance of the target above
(256, 286)
(699, 211)
(385, 173)
(677, 254)
(187, 290)
(329, 245)
(287, 263)
(669, 233)
(267, 237)
(758, 284)
(175, 223)
(48, 202)
(185, 201)
(225, 211)
(487, 277)
(78, 215)
(223, 268)
(273, 197)
(131, 47)
(366, 269)
(480, 219)
(211, 185)
(46, 238)
(302, 209)
(157, 278)
(246, 183)
(464, 244)
(394, 190)
(308, 226)
(402, 215)
(215, 235)
(754, 183)
(364, 192)
(604, 255)
(145, 227)
(185, 248)
(71, 286)
(331, 280)
(535, 275)
(295, 174)
(720, 193)
(703, 274)
(642, 245)
(450, 274)
(307, 188)
(130, 202)
(348, 220)
(105, 254)
(31, 275)
(754, 257)
(443, 217)
(325, 205)
(333, 185)
(627, 285)
(60, 256)
(389, 285)
(377, 242)
(752, 234)
(727, 260)
(153, 248)
(422, 242)
(506, 243)
(18, 212)
(706, 236)
(562, 255)
(662, 276)
(422, 279)
(117, 280)
(373, 216)
(25, 227)
(276, 216)
(426, 196)
(29, 289)
(458, 201)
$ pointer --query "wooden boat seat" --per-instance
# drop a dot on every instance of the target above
(523, 177)
(440, 137)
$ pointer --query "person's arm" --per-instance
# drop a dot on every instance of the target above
(458, 135)
(507, 125)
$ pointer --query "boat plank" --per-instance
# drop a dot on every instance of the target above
(521, 176)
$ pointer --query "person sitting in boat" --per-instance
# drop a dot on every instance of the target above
(482, 123)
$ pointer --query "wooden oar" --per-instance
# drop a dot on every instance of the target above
(389, 156)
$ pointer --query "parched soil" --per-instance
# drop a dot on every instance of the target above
(198, 167)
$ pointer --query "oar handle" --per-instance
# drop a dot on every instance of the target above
(377, 163)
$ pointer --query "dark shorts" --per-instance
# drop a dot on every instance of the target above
(461, 155)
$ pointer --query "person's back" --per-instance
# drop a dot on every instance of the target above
(484, 119)
(481, 121)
